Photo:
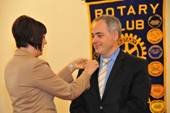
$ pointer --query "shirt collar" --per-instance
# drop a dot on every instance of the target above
(113, 56)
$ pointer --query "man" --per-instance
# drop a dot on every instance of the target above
(126, 83)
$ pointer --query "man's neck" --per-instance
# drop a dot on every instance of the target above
(110, 53)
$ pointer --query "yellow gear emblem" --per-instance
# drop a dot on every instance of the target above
(133, 45)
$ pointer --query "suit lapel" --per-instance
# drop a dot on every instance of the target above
(94, 82)
(115, 72)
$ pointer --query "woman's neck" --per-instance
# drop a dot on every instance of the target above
(31, 50)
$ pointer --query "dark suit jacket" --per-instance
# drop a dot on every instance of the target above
(126, 91)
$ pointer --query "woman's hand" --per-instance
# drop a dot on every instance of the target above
(91, 66)
(79, 63)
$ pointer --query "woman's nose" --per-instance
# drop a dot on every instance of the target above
(45, 42)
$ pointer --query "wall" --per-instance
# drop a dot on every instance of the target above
(68, 37)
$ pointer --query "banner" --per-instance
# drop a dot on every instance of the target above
(143, 35)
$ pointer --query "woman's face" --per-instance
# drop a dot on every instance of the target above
(44, 42)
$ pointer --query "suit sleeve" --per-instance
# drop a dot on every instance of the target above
(46, 80)
(65, 74)
(139, 93)
(78, 105)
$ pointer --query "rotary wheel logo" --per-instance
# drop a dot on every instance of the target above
(133, 45)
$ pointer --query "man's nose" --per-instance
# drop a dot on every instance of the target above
(94, 39)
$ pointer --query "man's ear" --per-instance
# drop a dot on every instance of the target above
(115, 35)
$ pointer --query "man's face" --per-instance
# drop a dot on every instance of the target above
(103, 40)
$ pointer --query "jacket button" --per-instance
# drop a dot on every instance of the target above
(101, 107)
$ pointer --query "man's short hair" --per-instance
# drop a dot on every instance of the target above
(112, 22)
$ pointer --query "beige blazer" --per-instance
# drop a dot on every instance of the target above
(32, 84)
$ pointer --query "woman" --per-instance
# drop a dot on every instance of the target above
(31, 83)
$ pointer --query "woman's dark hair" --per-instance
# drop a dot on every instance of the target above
(27, 30)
